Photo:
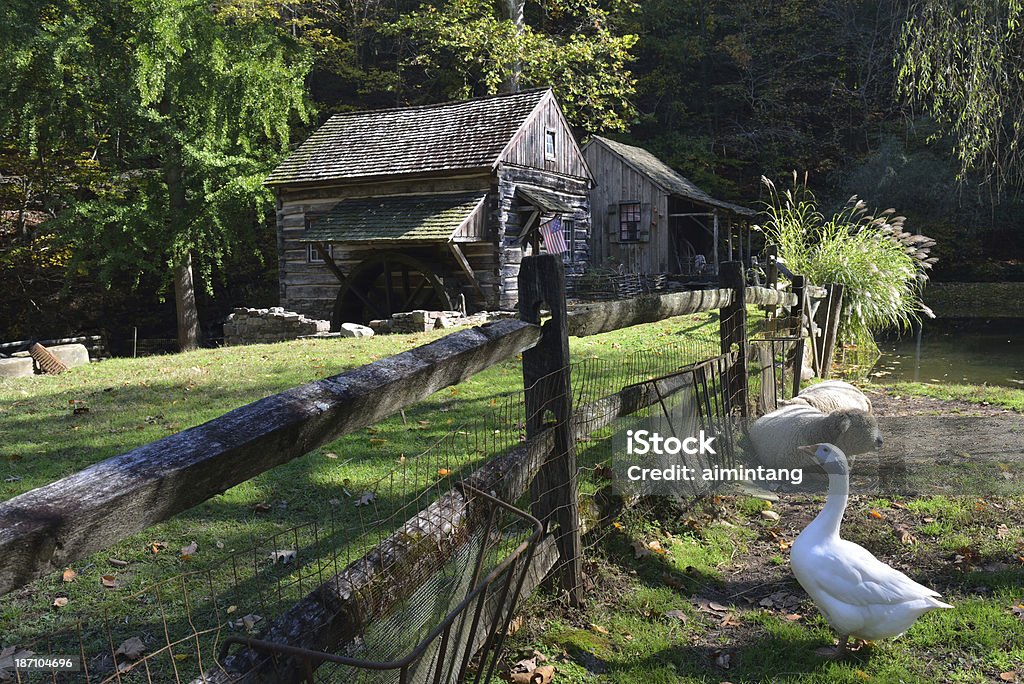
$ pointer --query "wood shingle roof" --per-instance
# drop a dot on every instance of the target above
(421, 218)
(668, 178)
(453, 136)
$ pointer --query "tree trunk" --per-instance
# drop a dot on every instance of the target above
(185, 304)
(514, 13)
(184, 288)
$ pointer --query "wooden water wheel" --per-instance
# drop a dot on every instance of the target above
(387, 283)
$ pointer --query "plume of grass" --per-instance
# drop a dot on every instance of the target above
(882, 267)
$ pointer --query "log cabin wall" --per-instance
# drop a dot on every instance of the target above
(544, 154)
(573, 192)
(618, 183)
(310, 288)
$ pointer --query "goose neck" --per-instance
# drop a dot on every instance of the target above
(831, 516)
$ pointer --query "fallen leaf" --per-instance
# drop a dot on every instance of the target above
(220, 545)
(514, 625)
(706, 606)
(905, 536)
(190, 550)
(286, 556)
(69, 576)
(132, 649)
(60, 601)
(444, 472)
(793, 617)
(250, 621)
(875, 514)
(261, 507)
(231, 609)
(1008, 676)
(617, 525)
(526, 665)
(331, 454)
(109, 581)
(599, 629)
(1002, 532)
(117, 562)
(730, 620)
(656, 547)
(156, 547)
(677, 614)
(543, 674)
(770, 515)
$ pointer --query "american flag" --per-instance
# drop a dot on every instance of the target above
(554, 241)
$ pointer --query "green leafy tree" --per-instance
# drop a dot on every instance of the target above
(962, 61)
(185, 107)
(465, 47)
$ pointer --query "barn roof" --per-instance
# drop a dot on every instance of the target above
(431, 218)
(453, 136)
(668, 178)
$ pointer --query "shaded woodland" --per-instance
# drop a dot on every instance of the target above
(134, 136)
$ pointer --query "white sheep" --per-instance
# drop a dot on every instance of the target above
(776, 435)
(831, 395)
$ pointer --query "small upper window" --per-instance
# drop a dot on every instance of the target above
(313, 254)
(549, 145)
(629, 222)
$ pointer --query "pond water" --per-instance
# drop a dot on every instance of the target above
(963, 351)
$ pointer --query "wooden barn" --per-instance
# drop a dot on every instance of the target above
(414, 208)
(649, 219)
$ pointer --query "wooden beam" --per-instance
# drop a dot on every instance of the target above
(47, 528)
(607, 316)
(466, 268)
(763, 296)
(333, 267)
(714, 242)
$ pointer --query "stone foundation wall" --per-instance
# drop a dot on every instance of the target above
(260, 326)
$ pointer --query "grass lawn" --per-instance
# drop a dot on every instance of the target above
(991, 395)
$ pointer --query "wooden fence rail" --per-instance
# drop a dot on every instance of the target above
(47, 528)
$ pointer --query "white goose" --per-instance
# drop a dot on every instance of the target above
(858, 594)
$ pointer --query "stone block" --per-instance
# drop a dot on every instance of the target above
(17, 367)
(71, 355)
(355, 330)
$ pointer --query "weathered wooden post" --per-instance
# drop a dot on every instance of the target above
(828, 342)
(796, 317)
(771, 278)
(549, 405)
(733, 331)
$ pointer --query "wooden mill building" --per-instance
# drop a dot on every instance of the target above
(411, 208)
(647, 218)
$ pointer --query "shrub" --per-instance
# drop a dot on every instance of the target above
(882, 267)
